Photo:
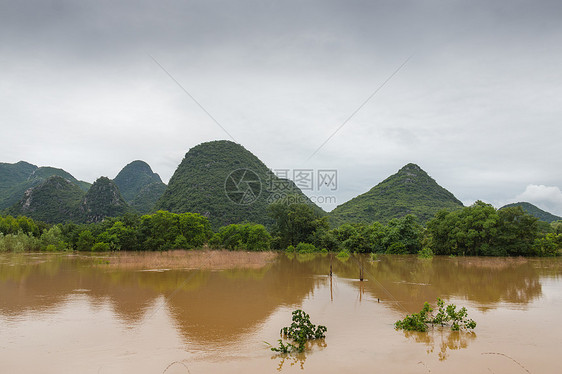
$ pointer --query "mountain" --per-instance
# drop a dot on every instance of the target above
(140, 186)
(410, 191)
(102, 200)
(13, 178)
(17, 178)
(226, 183)
(535, 211)
(44, 172)
(55, 200)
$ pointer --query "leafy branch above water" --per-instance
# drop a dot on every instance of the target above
(449, 314)
(300, 332)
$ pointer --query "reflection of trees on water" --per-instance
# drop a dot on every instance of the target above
(210, 307)
(220, 310)
(409, 281)
(293, 359)
(443, 339)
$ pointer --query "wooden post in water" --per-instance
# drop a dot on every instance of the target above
(331, 291)
(361, 271)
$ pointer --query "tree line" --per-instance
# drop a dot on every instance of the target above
(477, 230)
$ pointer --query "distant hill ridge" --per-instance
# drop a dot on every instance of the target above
(55, 200)
(206, 182)
(58, 200)
(535, 211)
(16, 178)
(410, 191)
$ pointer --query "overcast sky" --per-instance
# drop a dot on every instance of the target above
(478, 105)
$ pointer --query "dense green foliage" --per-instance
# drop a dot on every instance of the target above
(103, 200)
(295, 223)
(24, 234)
(458, 319)
(140, 186)
(145, 201)
(477, 230)
(159, 231)
(17, 178)
(482, 230)
(299, 333)
(204, 183)
(534, 211)
(53, 201)
(250, 237)
(409, 191)
(57, 200)
(399, 236)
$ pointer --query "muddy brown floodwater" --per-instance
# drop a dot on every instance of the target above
(201, 312)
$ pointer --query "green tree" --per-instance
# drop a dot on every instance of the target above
(403, 235)
(85, 241)
(466, 232)
(242, 237)
(295, 223)
(516, 233)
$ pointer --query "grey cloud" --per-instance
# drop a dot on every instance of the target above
(478, 106)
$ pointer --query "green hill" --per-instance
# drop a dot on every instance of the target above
(13, 178)
(226, 183)
(45, 172)
(102, 200)
(17, 178)
(409, 191)
(140, 186)
(55, 200)
(146, 199)
(535, 211)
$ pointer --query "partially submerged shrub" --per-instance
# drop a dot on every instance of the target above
(343, 254)
(305, 248)
(425, 252)
(446, 315)
(101, 247)
(300, 331)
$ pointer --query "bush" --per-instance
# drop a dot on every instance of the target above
(101, 247)
(446, 314)
(300, 332)
(19, 242)
(425, 252)
(343, 254)
(305, 248)
(249, 237)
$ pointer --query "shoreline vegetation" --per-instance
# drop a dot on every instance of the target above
(477, 230)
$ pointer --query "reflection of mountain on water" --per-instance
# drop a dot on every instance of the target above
(231, 303)
(42, 285)
(217, 306)
(207, 306)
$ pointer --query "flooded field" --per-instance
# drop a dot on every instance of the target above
(216, 312)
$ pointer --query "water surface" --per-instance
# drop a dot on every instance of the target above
(100, 314)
